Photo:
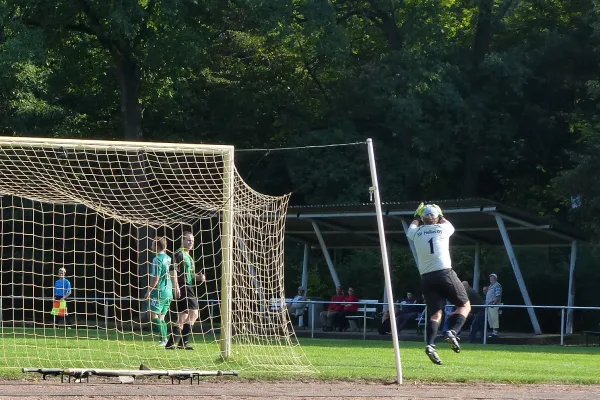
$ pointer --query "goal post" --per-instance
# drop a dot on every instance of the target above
(227, 240)
(92, 209)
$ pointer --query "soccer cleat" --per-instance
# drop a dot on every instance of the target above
(162, 343)
(185, 346)
(453, 340)
(170, 346)
(432, 354)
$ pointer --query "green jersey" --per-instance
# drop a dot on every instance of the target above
(185, 275)
(161, 264)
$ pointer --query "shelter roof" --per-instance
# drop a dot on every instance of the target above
(355, 225)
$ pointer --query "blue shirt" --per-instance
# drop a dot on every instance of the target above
(62, 287)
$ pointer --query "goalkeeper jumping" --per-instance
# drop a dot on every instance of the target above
(430, 233)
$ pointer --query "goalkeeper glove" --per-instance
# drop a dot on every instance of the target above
(419, 211)
(439, 210)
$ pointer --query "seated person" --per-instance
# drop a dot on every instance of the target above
(331, 316)
(405, 313)
(297, 306)
(350, 308)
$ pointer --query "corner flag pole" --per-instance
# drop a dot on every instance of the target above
(384, 256)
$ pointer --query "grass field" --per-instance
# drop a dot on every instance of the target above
(334, 359)
(374, 360)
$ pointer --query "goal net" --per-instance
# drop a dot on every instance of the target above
(90, 210)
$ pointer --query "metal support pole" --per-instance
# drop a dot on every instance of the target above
(425, 321)
(384, 255)
(304, 283)
(305, 268)
(106, 313)
(518, 275)
(328, 260)
(364, 322)
(485, 325)
(312, 320)
(476, 270)
(562, 326)
(571, 298)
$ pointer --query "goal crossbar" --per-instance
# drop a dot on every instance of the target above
(111, 144)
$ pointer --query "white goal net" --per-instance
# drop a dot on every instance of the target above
(91, 210)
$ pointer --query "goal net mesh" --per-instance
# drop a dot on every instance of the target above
(94, 208)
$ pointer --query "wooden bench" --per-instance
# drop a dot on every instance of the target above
(367, 311)
(591, 333)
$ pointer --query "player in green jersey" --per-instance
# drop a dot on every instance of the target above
(160, 290)
(186, 303)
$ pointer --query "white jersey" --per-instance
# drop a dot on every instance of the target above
(432, 243)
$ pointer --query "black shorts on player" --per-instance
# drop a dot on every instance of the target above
(437, 286)
(186, 301)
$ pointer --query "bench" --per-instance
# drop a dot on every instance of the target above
(591, 333)
(367, 311)
(277, 305)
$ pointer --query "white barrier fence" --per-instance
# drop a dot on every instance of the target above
(563, 310)
(312, 306)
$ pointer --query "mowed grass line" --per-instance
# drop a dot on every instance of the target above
(335, 359)
(374, 360)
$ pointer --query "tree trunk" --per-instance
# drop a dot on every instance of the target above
(483, 32)
(392, 34)
(131, 110)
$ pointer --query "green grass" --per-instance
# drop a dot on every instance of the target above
(335, 359)
(374, 360)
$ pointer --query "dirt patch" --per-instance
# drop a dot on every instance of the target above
(162, 389)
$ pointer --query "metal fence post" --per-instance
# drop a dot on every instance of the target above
(562, 326)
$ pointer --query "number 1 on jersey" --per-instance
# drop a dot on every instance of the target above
(430, 241)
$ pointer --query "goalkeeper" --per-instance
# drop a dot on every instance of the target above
(186, 303)
(160, 291)
(430, 233)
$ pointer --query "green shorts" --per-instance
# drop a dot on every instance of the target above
(160, 307)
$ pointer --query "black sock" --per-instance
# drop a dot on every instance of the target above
(175, 336)
(185, 334)
(456, 322)
(432, 330)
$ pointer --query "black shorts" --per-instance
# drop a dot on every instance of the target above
(187, 301)
(437, 286)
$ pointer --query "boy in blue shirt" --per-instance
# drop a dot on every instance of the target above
(62, 290)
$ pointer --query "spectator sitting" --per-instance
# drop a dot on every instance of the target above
(330, 317)
(297, 306)
(405, 313)
(349, 309)
(408, 312)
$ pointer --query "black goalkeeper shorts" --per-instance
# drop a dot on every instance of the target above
(442, 285)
